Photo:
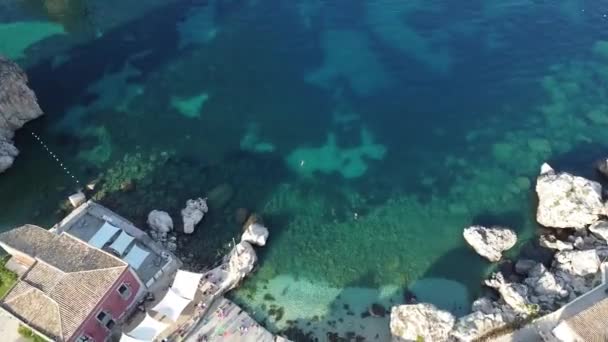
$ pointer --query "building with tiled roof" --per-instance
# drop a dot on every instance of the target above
(589, 325)
(70, 291)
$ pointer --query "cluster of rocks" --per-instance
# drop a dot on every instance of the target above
(242, 258)
(574, 208)
(18, 105)
(161, 223)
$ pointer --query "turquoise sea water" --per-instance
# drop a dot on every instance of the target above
(367, 134)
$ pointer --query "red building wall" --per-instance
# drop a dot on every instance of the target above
(113, 304)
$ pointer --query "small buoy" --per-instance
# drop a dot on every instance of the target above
(301, 163)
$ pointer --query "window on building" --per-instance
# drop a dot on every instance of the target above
(101, 316)
(106, 319)
(85, 338)
(125, 291)
(110, 324)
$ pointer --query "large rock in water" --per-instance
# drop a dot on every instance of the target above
(193, 213)
(17, 106)
(567, 201)
(490, 242)
(242, 260)
(255, 234)
(420, 321)
(160, 221)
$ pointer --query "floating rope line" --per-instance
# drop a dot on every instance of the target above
(54, 156)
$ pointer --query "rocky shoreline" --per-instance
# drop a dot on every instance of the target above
(18, 105)
(576, 219)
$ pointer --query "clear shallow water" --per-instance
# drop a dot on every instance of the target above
(367, 135)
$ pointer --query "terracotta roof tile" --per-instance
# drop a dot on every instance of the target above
(591, 324)
(66, 283)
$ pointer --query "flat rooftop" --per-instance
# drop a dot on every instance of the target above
(85, 221)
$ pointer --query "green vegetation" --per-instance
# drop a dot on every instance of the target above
(29, 334)
(7, 278)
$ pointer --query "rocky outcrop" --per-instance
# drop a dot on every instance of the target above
(551, 242)
(548, 291)
(578, 263)
(18, 105)
(567, 201)
(490, 242)
(255, 234)
(478, 324)
(420, 321)
(513, 294)
(193, 213)
(602, 167)
(160, 221)
(242, 260)
(600, 230)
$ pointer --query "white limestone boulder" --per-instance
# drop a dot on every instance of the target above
(513, 294)
(476, 325)
(242, 260)
(160, 221)
(578, 263)
(567, 201)
(600, 230)
(255, 234)
(420, 321)
(490, 242)
(193, 213)
(551, 242)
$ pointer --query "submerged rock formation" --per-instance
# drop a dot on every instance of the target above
(567, 201)
(490, 242)
(420, 322)
(18, 105)
(193, 213)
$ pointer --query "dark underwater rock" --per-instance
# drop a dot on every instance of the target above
(377, 310)
(219, 196)
(18, 105)
(241, 215)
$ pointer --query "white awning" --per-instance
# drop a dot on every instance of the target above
(136, 256)
(148, 329)
(103, 235)
(127, 338)
(171, 305)
(121, 243)
(186, 283)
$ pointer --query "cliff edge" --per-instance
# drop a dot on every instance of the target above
(18, 105)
